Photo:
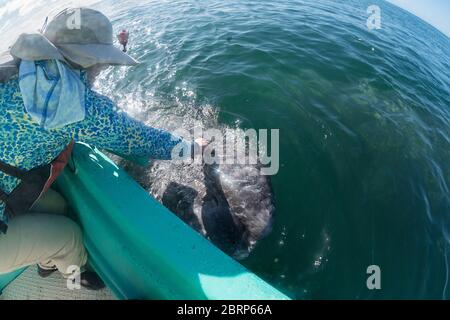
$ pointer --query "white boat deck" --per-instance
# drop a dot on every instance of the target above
(30, 286)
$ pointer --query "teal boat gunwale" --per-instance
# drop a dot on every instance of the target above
(7, 278)
(141, 249)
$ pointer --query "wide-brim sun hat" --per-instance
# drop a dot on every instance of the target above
(82, 36)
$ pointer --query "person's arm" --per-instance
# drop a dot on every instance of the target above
(106, 127)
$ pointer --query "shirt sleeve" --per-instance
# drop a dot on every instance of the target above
(108, 128)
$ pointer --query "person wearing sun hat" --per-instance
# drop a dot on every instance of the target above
(82, 36)
(46, 103)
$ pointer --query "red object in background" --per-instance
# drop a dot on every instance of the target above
(123, 37)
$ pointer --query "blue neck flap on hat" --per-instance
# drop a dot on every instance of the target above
(53, 93)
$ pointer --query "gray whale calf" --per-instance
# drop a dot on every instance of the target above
(232, 205)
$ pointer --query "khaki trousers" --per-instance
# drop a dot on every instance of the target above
(46, 237)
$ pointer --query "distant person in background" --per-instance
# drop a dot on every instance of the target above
(123, 39)
(46, 103)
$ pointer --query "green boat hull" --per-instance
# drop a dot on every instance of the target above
(142, 250)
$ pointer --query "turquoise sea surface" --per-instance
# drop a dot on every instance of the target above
(364, 119)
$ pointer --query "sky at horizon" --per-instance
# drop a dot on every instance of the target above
(435, 12)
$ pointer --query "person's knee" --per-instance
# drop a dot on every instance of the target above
(40, 238)
(72, 247)
(66, 235)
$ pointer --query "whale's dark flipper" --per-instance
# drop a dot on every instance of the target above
(232, 205)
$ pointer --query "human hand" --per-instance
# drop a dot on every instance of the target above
(202, 142)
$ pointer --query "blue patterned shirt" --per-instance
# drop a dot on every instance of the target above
(26, 144)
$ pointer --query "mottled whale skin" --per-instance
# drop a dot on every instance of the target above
(232, 205)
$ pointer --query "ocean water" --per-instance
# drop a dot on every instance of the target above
(364, 119)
